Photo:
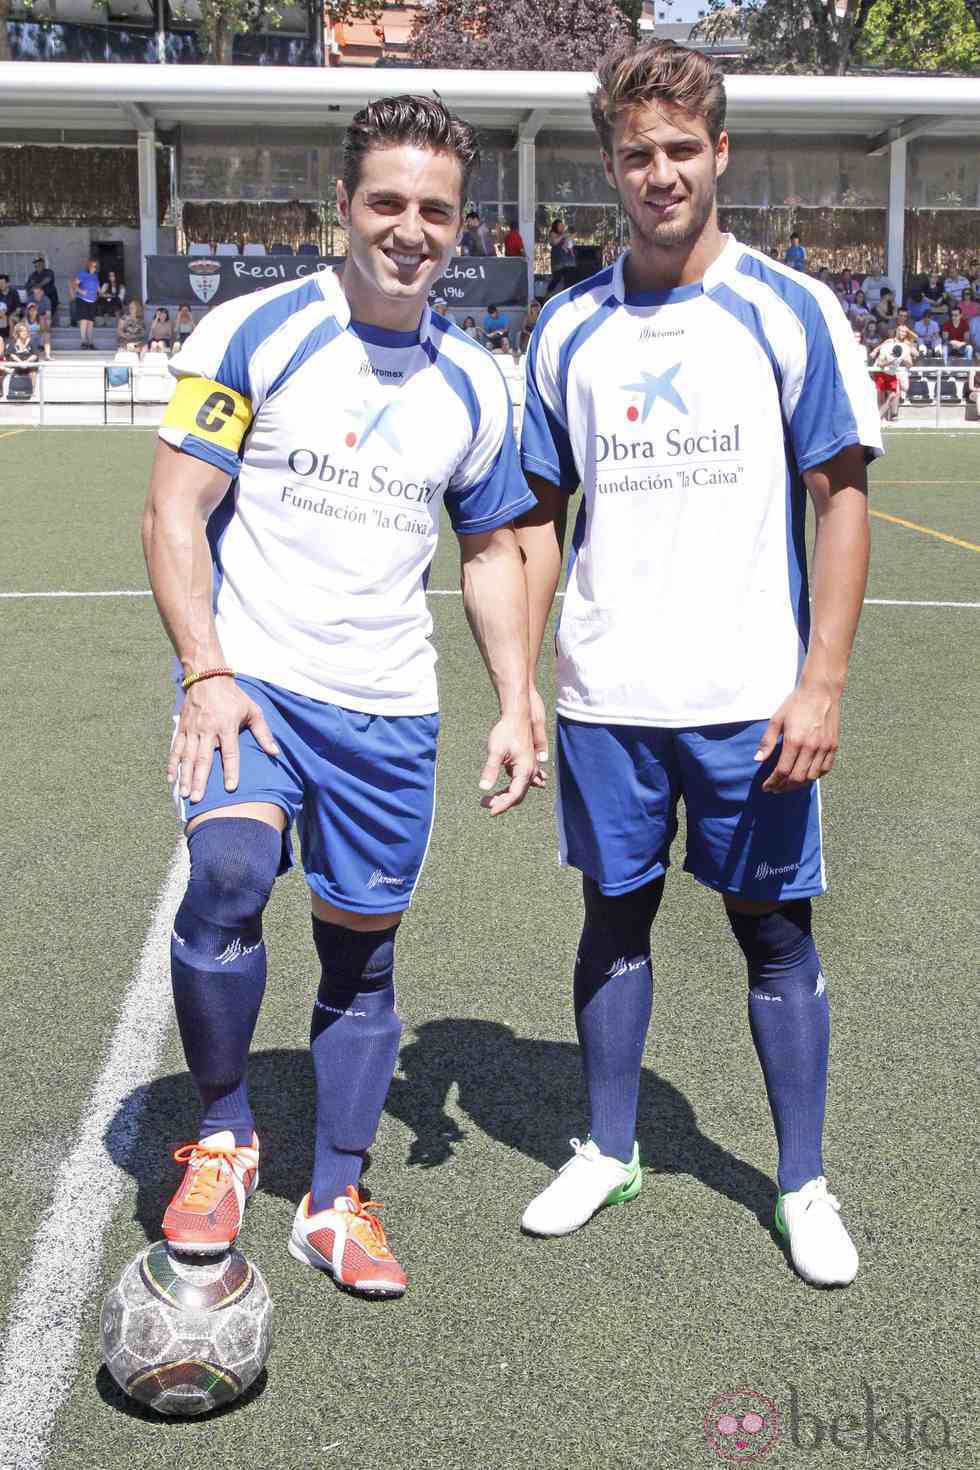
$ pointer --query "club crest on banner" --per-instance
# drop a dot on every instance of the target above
(205, 277)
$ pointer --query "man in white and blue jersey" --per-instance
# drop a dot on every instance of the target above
(696, 390)
(317, 429)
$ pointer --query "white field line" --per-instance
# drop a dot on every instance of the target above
(455, 592)
(39, 1354)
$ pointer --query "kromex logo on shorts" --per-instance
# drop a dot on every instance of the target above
(382, 880)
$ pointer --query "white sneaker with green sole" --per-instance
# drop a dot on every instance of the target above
(820, 1248)
(584, 1185)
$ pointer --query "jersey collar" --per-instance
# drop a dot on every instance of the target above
(716, 272)
(336, 299)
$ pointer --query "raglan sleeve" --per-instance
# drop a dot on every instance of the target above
(214, 402)
(546, 448)
(836, 406)
(487, 488)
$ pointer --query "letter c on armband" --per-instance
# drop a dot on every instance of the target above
(207, 410)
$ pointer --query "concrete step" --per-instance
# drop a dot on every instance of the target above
(68, 337)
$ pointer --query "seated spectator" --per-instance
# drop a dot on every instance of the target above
(39, 328)
(957, 341)
(23, 361)
(974, 335)
(859, 311)
(851, 284)
(795, 254)
(969, 306)
(37, 298)
(112, 296)
(956, 284)
(562, 255)
(161, 336)
(513, 244)
(86, 303)
(472, 330)
(131, 328)
(183, 326)
(888, 359)
(884, 311)
(870, 334)
(10, 308)
(873, 287)
(533, 312)
(477, 239)
(928, 333)
(917, 305)
(934, 290)
(42, 275)
(496, 329)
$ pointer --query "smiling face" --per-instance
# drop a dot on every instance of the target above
(665, 169)
(403, 223)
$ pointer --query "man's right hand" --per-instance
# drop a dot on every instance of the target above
(213, 713)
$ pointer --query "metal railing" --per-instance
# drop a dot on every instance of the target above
(939, 373)
(133, 387)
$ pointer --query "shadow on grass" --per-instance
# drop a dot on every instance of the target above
(523, 1092)
(112, 1395)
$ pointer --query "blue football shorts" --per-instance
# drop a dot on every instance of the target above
(360, 788)
(618, 789)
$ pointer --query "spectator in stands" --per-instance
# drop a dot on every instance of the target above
(974, 330)
(956, 337)
(956, 284)
(889, 358)
(530, 320)
(471, 329)
(969, 306)
(161, 336)
(795, 254)
(870, 335)
(562, 255)
(42, 275)
(131, 328)
(9, 307)
(851, 284)
(513, 244)
(183, 326)
(859, 311)
(885, 313)
(873, 287)
(477, 239)
(859, 346)
(112, 296)
(37, 298)
(928, 333)
(496, 329)
(86, 303)
(21, 355)
(934, 290)
(917, 305)
(39, 328)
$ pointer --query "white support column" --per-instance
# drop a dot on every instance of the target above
(895, 247)
(146, 148)
(527, 186)
(527, 203)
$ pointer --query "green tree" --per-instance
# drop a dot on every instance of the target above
(923, 35)
(789, 35)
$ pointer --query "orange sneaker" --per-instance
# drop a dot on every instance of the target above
(348, 1242)
(205, 1215)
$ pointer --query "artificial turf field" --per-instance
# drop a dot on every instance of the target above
(605, 1348)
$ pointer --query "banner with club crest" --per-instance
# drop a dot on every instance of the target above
(470, 284)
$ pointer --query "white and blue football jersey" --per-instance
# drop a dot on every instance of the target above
(342, 440)
(688, 417)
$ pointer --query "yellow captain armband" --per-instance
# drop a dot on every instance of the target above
(209, 411)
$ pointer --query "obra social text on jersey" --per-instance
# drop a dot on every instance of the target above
(309, 465)
(676, 445)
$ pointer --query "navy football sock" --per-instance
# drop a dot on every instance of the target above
(218, 962)
(790, 1022)
(613, 998)
(354, 1038)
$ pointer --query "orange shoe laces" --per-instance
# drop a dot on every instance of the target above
(204, 1180)
(362, 1209)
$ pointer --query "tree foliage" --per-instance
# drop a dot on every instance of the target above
(923, 35)
(519, 35)
(831, 38)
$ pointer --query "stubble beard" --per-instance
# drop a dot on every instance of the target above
(671, 237)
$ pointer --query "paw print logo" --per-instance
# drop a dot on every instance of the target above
(741, 1426)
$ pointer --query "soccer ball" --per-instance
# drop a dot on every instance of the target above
(186, 1336)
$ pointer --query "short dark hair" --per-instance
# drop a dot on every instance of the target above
(659, 71)
(423, 121)
(492, 306)
(472, 214)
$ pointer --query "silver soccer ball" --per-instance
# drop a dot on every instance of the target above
(183, 1335)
